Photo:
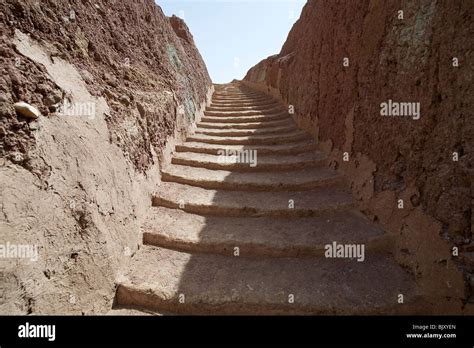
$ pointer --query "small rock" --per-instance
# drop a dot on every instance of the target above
(111, 80)
(52, 99)
(54, 108)
(125, 100)
(17, 157)
(44, 89)
(26, 110)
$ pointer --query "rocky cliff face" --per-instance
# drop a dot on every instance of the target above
(341, 61)
(116, 83)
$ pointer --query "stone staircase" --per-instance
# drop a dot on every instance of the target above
(235, 238)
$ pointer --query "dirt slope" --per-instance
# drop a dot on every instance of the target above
(115, 82)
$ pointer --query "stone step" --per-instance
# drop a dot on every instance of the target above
(241, 89)
(243, 108)
(278, 206)
(248, 125)
(283, 149)
(238, 94)
(241, 99)
(250, 139)
(182, 283)
(197, 200)
(304, 179)
(246, 119)
(243, 104)
(232, 113)
(249, 161)
(235, 87)
(306, 237)
(276, 131)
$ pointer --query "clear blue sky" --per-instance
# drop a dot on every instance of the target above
(234, 35)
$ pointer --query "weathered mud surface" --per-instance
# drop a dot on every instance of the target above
(392, 158)
(76, 181)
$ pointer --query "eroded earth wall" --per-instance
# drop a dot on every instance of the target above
(341, 61)
(116, 84)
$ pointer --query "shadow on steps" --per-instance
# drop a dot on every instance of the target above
(226, 237)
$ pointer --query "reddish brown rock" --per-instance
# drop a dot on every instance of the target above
(75, 183)
(405, 60)
(129, 47)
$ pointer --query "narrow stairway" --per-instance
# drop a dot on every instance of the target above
(249, 236)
